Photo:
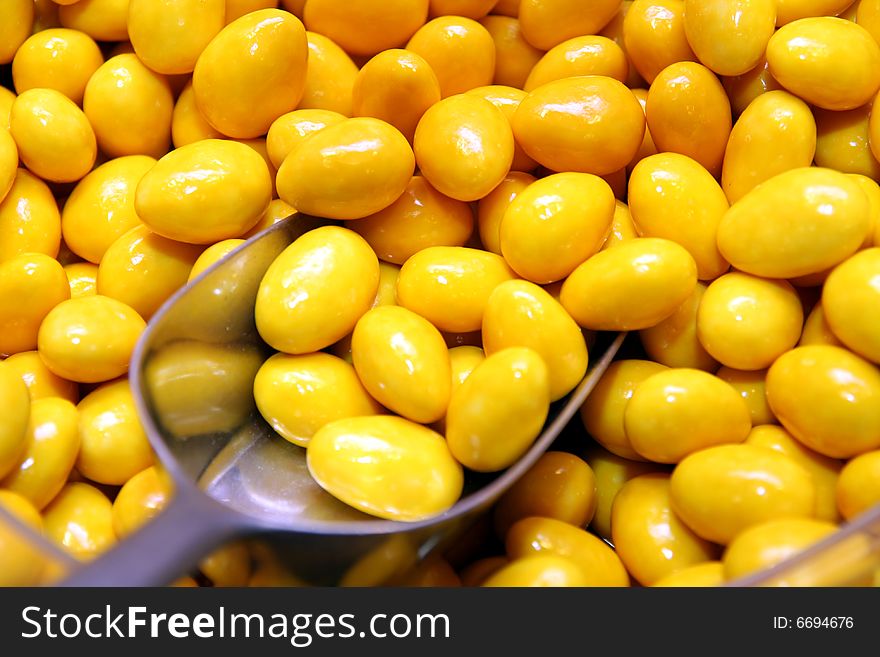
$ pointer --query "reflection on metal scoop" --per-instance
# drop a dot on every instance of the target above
(192, 376)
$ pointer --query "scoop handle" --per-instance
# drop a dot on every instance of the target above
(165, 548)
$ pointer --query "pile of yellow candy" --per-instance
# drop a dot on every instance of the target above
(508, 176)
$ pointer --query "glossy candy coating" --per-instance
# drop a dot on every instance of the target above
(403, 362)
(385, 466)
(349, 170)
(316, 290)
(260, 55)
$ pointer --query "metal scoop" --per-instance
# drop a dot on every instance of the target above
(192, 376)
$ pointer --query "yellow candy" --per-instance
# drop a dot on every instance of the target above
(200, 388)
(396, 86)
(585, 55)
(827, 398)
(140, 499)
(851, 302)
(101, 207)
(142, 269)
(464, 147)
(314, 292)
(775, 133)
(857, 487)
(647, 146)
(542, 536)
(614, 31)
(498, 412)
(278, 210)
(688, 112)
(751, 387)
(89, 339)
(622, 227)
(289, 130)
(603, 411)
(212, 255)
(403, 362)
(204, 192)
(470, 8)
(330, 76)
(729, 36)
(83, 279)
(708, 573)
(228, 566)
(446, 42)
(103, 20)
(462, 361)
(130, 108)
(450, 285)
(514, 56)
(261, 55)
(720, 491)
(674, 197)
(114, 446)
(649, 538)
(798, 222)
(23, 563)
(591, 124)
(7, 98)
(743, 89)
(816, 329)
(348, 170)
(747, 322)
(521, 314)
(674, 342)
(825, 471)
(872, 191)
(80, 520)
(868, 16)
(364, 27)
(420, 218)
(765, 545)
(843, 141)
(13, 427)
(491, 208)
(680, 411)
(187, 122)
(39, 379)
(169, 35)
(297, 395)
(612, 472)
(545, 24)
(507, 99)
(792, 10)
(555, 224)
(8, 163)
(238, 8)
(632, 286)
(654, 35)
(18, 16)
(31, 285)
(538, 571)
(54, 138)
(59, 59)
(829, 62)
(29, 218)
(385, 466)
(52, 445)
(559, 485)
